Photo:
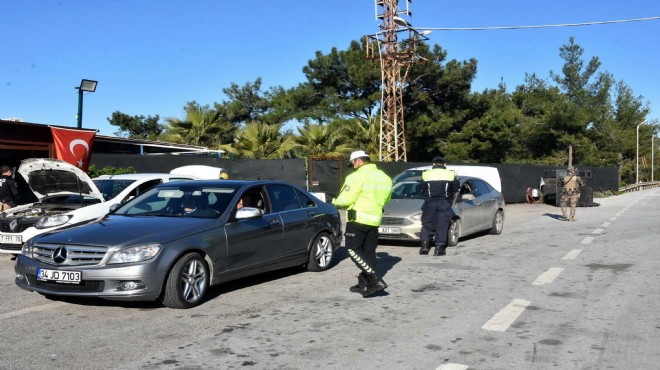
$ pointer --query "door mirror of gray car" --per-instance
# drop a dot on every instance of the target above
(248, 212)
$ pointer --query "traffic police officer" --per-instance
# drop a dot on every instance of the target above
(438, 186)
(364, 194)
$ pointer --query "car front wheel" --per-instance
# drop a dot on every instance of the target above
(498, 223)
(187, 282)
(321, 253)
(454, 233)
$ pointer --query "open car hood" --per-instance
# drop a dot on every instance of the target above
(47, 176)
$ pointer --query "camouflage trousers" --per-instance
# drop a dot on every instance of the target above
(569, 199)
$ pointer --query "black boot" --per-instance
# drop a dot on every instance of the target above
(425, 249)
(361, 286)
(440, 250)
(376, 284)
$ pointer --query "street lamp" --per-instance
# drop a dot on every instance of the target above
(637, 158)
(85, 85)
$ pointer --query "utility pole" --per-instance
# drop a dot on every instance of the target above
(395, 59)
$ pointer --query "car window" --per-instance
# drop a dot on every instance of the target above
(144, 187)
(304, 199)
(111, 187)
(283, 197)
(254, 197)
(191, 201)
(407, 190)
(406, 174)
(469, 188)
(482, 187)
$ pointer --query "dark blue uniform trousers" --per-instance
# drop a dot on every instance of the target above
(436, 219)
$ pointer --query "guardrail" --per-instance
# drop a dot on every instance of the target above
(639, 186)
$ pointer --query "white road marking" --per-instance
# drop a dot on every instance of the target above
(605, 224)
(506, 316)
(613, 218)
(597, 231)
(548, 276)
(451, 366)
(48, 306)
(572, 254)
(587, 240)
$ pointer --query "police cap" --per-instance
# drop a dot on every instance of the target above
(439, 159)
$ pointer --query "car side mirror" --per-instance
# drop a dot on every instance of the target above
(247, 213)
(114, 207)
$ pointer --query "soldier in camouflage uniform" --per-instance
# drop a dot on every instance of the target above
(571, 193)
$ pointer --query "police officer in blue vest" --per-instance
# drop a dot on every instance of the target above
(438, 186)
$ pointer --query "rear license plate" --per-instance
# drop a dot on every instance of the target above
(11, 239)
(59, 276)
(389, 230)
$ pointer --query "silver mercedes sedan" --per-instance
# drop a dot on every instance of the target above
(478, 208)
(174, 241)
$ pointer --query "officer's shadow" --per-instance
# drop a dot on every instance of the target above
(385, 264)
(555, 216)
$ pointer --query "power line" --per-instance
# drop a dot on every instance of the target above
(538, 26)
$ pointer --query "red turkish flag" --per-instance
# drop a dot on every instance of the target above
(73, 146)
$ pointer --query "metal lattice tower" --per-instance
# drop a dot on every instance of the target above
(395, 60)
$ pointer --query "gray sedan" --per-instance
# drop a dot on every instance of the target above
(174, 241)
(478, 207)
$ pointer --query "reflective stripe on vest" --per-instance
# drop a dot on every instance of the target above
(438, 174)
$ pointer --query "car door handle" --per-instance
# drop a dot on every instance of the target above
(310, 214)
(274, 222)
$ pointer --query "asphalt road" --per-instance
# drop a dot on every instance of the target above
(545, 294)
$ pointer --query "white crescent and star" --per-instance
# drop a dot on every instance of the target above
(73, 144)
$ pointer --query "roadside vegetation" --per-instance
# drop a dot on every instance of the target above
(336, 110)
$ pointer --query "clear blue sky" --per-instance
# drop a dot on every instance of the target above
(151, 57)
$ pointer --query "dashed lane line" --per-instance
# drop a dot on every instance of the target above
(605, 224)
(587, 240)
(597, 231)
(572, 254)
(548, 276)
(451, 366)
(506, 316)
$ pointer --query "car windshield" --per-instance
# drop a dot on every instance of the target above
(407, 190)
(407, 174)
(111, 187)
(180, 201)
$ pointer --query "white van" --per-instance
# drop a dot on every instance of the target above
(490, 174)
(202, 171)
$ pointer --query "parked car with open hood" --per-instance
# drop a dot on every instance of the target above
(478, 207)
(175, 240)
(67, 197)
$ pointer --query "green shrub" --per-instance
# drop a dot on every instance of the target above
(108, 170)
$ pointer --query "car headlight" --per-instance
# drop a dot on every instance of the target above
(52, 221)
(416, 216)
(26, 250)
(137, 253)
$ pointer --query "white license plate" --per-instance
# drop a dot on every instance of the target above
(59, 276)
(389, 230)
(11, 239)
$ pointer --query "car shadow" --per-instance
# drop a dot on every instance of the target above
(212, 292)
